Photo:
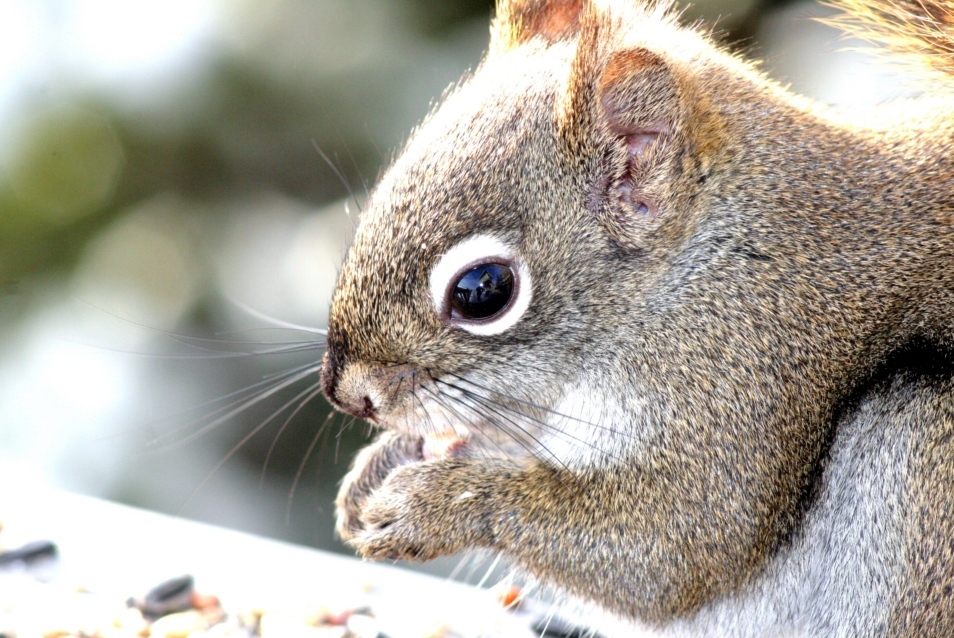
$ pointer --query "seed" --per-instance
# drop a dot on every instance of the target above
(171, 596)
(204, 601)
(509, 596)
(29, 553)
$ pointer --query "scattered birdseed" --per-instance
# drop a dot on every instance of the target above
(173, 595)
(29, 553)
(36, 602)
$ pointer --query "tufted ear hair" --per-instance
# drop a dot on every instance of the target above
(520, 20)
(663, 138)
(639, 98)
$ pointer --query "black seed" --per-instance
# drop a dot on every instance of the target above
(31, 552)
(169, 597)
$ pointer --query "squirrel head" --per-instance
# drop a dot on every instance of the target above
(523, 218)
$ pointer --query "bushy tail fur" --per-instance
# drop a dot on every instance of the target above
(922, 30)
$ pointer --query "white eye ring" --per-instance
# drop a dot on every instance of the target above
(480, 249)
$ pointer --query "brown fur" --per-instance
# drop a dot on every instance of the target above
(721, 269)
(921, 30)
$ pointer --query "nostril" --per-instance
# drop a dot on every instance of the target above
(345, 385)
(362, 408)
(344, 400)
(368, 410)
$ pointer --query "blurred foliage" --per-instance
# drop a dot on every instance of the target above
(83, 160)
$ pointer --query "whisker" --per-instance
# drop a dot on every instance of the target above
(232, 452)
(246, 404)
(427, 415)
(340, 175)
(309, 393)
(212, 354)
(449, 405)
(512, 432)
(208, 342)
(512, 426)
(274, 320)
(518, 428)
(249, 389)
(533, 419)
(490, 570)
(197, 342)
(357, 169)
(304, 461)
(346, 423)
(535, 406)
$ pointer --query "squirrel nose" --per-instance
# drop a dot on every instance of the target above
(332, 366)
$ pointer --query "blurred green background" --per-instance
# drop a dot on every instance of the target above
(173, 172)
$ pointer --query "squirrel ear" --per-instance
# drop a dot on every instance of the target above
(638, 94)
(520, 20)
(656, 132)
(639, 99)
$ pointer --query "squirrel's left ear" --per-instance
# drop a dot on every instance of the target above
(657, 138)
(639, 100)
(520, 20)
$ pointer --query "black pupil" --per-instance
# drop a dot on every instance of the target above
(483, 291)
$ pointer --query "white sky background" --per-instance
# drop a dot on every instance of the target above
(145, 45)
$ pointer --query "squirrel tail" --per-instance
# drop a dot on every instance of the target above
(918, 29)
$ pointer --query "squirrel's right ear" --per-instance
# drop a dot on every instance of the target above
(520, 20)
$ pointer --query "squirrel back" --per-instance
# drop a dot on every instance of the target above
(669, 337)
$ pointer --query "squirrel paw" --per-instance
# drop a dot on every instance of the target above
(419, 514)
(371, 467)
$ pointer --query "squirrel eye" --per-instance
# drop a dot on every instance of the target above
(480, 285)
(482, 292)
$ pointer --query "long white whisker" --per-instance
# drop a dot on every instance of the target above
(250, 389)
(308, 393)
(274, 320)
(195, 342)
(212, 354)
(304, 461)
(245, 439)
(246, 405)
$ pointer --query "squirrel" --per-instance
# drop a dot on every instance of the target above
(671, 339)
